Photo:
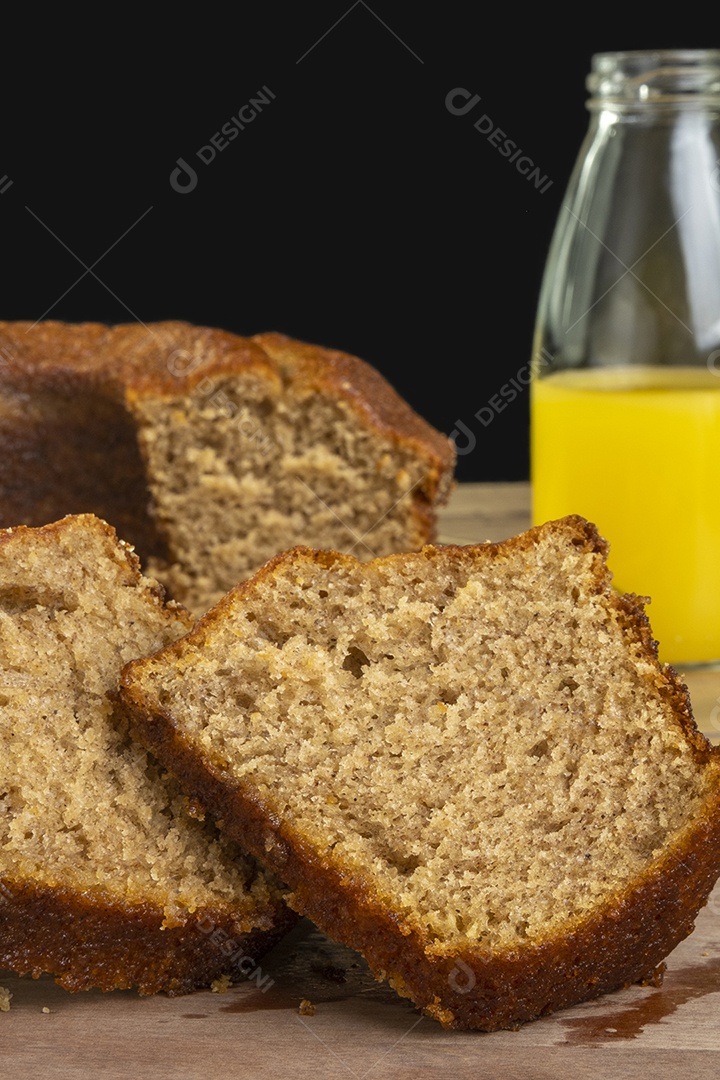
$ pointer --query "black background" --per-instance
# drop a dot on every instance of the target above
(354, 210)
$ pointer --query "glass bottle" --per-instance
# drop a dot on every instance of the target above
(625, 413)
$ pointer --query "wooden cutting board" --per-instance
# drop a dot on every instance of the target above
(356, 1028)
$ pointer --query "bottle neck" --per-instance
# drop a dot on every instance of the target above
(656, 82)
(633, 275)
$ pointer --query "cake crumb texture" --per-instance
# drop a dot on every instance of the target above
(212, 452)
(465, 762)
(105, 878)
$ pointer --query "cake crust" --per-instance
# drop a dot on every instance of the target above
(621, 944)
(622, 939)
(210, 451)
(124, 360)
(93, 834)
(96, 942)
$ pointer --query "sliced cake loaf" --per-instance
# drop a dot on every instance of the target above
(105, 878)
(211, 452)
(466, 763)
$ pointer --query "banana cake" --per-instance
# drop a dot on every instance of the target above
(466, 763)
(107, 877)
(212, 452)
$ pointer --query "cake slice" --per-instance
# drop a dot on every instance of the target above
(466, 763)
(212, 452)
(106, 880)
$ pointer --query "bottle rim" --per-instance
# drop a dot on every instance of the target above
(654, 76)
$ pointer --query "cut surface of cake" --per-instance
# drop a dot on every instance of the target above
(106, 880)
(466, 763)
(212, 452)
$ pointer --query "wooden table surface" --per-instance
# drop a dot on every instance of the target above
(360, 1029)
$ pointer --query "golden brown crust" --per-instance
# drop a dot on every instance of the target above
(618, 945)
(71, 399)
(171, 358)
(620, 942)
(68, 432)
(94, 942)
(164, 358)
(51, 920)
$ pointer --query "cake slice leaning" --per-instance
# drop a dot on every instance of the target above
(106, 880)
(466, 763)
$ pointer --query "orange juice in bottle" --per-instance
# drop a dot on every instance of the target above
(625, 411)
(637, 451)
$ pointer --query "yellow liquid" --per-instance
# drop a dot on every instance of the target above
(637, 451)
